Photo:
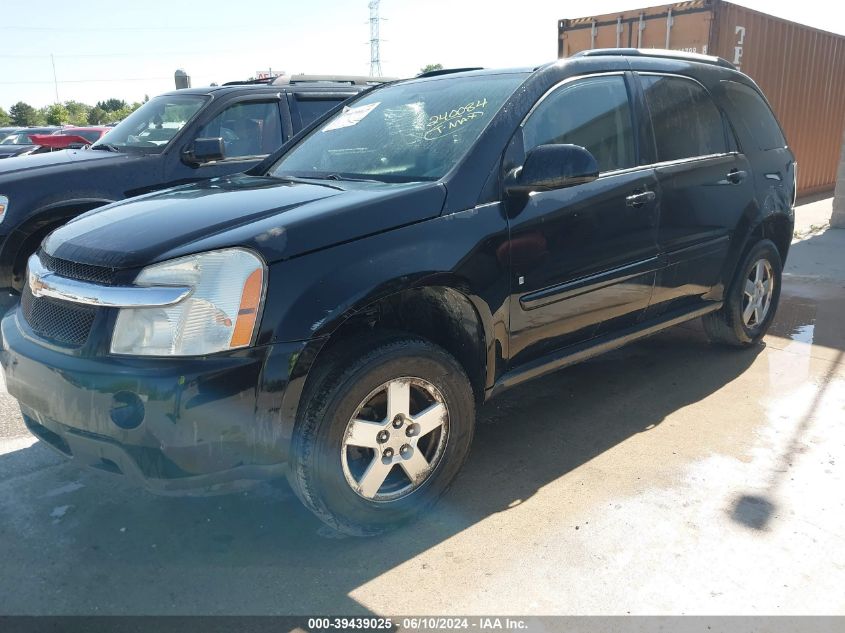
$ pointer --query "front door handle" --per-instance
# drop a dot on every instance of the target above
(637, 200)
(736, 176)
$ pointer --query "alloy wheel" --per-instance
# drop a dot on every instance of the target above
(395, 439)
(757, 294)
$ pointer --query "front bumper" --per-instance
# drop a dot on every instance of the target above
(173, 425)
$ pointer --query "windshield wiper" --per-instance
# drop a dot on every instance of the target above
(304, 180)
(106, 146)
(350, 178)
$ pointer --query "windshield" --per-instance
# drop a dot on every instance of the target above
(406, 132)
(152, 126)
(22, 138)
(88, 135)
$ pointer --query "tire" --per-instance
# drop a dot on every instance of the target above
(728, 325)
(324, 456)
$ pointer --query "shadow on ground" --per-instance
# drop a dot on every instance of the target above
(810, 313)
(84, 542)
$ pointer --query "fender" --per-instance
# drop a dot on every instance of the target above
(310, 297)
(763, 223)
(40, 222)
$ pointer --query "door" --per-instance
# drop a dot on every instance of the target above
(706, 187)
(251, 129)
(583, 258)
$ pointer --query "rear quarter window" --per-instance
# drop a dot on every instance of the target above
(686, 122)
(747, 108)
(312, 108)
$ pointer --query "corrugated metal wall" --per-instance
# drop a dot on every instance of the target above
(800, 69)
(802, 72)
(646, 28)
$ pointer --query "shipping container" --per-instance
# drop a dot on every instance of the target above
(800, 69)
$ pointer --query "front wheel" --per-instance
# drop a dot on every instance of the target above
(751, 301)
(383, 433)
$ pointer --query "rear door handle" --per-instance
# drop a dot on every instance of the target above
(736, 176)
(637, 200)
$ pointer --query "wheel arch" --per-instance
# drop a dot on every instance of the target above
(443, 310)
(777, 227)
(24, 238)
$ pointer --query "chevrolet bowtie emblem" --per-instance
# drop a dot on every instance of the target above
(37, 284)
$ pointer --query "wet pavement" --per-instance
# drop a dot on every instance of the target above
(667, 477)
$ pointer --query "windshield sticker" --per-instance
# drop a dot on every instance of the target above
(350, 116)
(452, 120)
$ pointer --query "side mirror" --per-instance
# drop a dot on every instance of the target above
(204, 150)
(549, 167)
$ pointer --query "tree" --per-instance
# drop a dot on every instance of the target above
(111, 105)
(5, 119)
(57, 114)
(77, 112)
(428, 68)
(97, 116)
(23, 114)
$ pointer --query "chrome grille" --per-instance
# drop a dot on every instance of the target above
(73, 270)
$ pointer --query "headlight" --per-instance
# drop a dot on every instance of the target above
(4, 204)
(220, 313)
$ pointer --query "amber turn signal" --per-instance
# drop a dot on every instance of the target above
(248, 311)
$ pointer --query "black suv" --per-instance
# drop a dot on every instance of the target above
(338, 313)
(176, 138)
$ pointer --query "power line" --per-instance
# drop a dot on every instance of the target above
(83, 81)
(76, 29)
(193, 53)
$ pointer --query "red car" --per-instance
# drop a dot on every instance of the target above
(68, 137)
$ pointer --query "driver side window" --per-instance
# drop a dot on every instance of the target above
(249, 128)
(593, 113)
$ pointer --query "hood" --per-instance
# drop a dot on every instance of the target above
(278, 218)
(14, 150)
(56, 160)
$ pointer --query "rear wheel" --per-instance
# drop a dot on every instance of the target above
(382, 435)
(751, 301)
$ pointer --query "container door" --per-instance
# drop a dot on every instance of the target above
(706, 187)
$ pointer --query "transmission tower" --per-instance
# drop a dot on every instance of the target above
(375, 58)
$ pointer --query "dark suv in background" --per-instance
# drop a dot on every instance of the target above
(338, 313)
(175, 138)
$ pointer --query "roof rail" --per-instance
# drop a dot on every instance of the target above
(248, 82)
(448, 71)
(352, 80)
(657, 52)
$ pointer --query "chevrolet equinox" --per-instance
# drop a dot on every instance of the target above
(336, 313)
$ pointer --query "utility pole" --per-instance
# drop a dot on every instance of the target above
(837, 220)
(375, 57)
(55, 80)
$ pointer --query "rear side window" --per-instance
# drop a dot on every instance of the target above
(685, 120)
(311, 109)
(593, 113)
(749, 110)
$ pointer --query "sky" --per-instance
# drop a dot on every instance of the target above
(103, 49)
